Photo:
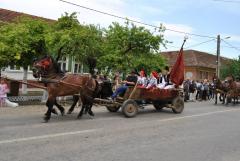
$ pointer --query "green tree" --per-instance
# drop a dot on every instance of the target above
(129, 46)
(21, 41)
(69, 38)
(232, 68)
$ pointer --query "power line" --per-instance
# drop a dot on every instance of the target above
(230, 45)
(139, 22)
(188, 47)
(227, 1)
(198, 44)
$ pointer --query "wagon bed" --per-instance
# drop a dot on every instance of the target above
(154, 94)
(135, 97)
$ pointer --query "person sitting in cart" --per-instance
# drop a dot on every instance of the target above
(131, 80)
(142, 79)
(153, 80)
(169, 84)
(164, 80)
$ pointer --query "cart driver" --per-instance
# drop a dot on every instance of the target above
(131, 80)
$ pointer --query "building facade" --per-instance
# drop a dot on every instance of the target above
(197, 65)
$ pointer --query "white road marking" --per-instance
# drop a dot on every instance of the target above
(198, 115)
(93, 130)
(46, 136)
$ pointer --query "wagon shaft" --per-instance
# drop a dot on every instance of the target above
(105, 102)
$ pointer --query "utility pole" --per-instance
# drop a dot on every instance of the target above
(218, 56)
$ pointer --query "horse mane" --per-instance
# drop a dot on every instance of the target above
(92, 62)
(56, 66)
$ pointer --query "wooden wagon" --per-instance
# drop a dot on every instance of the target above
(135, 97)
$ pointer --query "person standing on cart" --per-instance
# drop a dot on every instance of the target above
(131, 80)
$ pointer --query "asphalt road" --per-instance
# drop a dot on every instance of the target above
(203, 132)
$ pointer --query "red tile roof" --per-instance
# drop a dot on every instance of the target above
(9, 16)
(194, 58)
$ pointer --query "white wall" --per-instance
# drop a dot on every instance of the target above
(16, 74)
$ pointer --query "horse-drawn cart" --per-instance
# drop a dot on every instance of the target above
(134, 98)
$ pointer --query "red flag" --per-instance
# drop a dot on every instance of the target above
(177, 72)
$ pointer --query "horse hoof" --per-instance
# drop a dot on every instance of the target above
(69, 112)
(91, 117)
(46, 119)
(91, 113)
(79, 116)
(54, 112)
(63, 112)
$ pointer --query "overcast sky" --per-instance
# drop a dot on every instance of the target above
(205, 17)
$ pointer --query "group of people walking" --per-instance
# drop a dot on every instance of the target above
(198, 90)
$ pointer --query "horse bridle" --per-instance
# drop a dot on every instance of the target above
(40, 68)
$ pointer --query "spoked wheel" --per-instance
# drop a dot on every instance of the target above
(129, 108)
(178, 105)
(158, 106)
(113, 108)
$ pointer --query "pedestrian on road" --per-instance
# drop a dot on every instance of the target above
(3, 95)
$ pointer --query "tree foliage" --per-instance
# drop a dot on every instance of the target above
(116, 48)
(232, 68)
(69, 38)
(129, 46)
(21, 41)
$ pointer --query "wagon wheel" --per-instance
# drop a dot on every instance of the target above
(129, 108)
(158, 106)
(178, 105)
(113, 108)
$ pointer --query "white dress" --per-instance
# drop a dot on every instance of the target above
(162, 85)
(3, 97)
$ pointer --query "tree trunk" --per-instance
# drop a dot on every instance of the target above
(24, 86)
(82, 68)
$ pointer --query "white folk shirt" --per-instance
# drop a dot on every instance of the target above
(142, 81)
(152, 82)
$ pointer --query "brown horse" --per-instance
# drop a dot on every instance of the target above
(221, 87)
(234, 89)
(59, 84)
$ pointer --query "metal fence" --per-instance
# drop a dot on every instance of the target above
(24, 98)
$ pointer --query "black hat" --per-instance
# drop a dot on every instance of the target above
(159, 70)
(166, 68)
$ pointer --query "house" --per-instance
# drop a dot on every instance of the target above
(198, 65)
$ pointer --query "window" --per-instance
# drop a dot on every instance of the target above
(14, 67)
(62, 63)
(189, 75)
(77, 66)
(204, 75)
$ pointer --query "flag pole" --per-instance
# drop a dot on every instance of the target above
(185, 39)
